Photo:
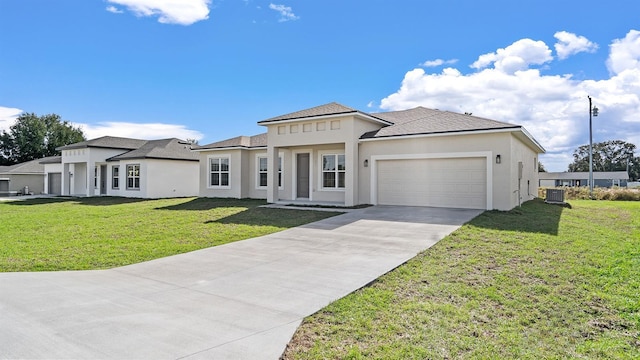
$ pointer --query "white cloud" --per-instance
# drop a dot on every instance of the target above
(113, 9)
(286, 14)
(438, 62)
(139, 131)
(8, 117)
(182, 12)
(554, 108)
(625, 53)
(569, 44)
(517, 56)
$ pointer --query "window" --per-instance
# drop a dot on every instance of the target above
(115, 177)
(219, 172)
(95, 177)
(133, 177)
(333, 171)
(262, 171)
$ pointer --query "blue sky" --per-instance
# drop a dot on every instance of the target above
(211, 69)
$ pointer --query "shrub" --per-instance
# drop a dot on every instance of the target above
(582, 193)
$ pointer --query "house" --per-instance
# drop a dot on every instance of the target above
(338, 155)
(128, 167)
(26, 177)
(581, 178)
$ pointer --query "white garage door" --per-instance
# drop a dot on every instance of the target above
(453, 182)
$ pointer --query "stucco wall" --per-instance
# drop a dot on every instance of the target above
(528, 184)
(171, 178)
(17, 182)
(235, 189)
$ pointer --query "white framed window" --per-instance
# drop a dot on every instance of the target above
(261, 181)
(333, 171)
(115, 177)
(95, 177)
(219, 172)
(133, 177)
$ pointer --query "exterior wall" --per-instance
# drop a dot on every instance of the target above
(236, 165)
(171, 178)
(256, 192)
(122, 190)
(527, 186)
(79, 182)
(17, 182)
(490, 143)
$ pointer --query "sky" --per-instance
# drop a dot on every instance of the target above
(211, 69)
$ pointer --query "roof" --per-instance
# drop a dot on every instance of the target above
(27, 167)
(579, 175)
(330, 109)
(421, 120)
(168, 149)
(51, 160)
(247, 142)
(109, 142)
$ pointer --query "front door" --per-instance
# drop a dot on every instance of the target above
(103, 179)
(302, 176)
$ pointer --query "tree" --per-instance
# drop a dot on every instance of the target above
(34, 137)
(612, 155)
(541, 167)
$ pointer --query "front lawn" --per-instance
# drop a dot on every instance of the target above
(104, 232)
(540, 282)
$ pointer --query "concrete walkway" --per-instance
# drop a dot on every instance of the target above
(242, 300)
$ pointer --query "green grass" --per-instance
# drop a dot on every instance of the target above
(540, 282)
(105, 232)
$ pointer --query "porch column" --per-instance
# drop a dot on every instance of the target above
(272, 174)
(91, 168)
(351, 158)
(65, 181)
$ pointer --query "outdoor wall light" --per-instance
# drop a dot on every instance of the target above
(498, 159)
(366, 162)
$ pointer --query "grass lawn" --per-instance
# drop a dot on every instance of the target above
(540, 282)
(105, 232)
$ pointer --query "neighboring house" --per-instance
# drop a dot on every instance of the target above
(129, 167)
(20, 178)
(600, 178)
(338, 155)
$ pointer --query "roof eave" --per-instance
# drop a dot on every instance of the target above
(235, 147)
(442, 133)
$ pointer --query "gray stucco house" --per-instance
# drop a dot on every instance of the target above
(27, 176)
(605, 179)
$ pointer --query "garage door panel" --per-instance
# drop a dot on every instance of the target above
(456, 182)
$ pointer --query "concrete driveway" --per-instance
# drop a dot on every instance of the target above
(237, 301)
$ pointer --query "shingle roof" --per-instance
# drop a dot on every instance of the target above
(578, 175)
(27, 167)
(238, 141)
(110, 142)
(170, 149)
(323, 110)
(326, 109)
(51, 160)
(421, 120)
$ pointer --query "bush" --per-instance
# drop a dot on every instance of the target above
(582, 193)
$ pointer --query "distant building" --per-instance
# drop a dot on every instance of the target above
(600, 178)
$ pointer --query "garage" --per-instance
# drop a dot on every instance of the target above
(440, 182)
(55, 183)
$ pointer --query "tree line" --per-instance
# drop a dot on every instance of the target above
(34, 137)
(611, 155)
